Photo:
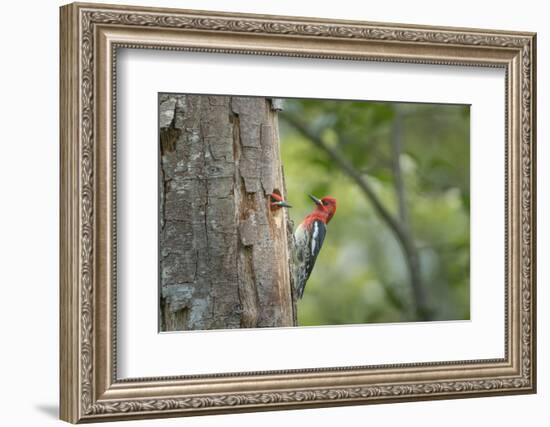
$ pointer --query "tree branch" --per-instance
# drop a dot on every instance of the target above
(396, 168)
(412, 255)
(348, 168)
(404, 239)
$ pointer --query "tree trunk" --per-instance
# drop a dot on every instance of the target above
(410, 251)
(223, 253)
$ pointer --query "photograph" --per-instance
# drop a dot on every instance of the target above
(285, 212)
(346, 208)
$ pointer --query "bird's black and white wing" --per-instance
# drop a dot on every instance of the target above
(308, 245)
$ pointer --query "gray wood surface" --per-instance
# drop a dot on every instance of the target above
(224, 254)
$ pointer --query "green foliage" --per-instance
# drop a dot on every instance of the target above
(361, 274)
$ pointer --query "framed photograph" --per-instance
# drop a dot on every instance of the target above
(267, 212)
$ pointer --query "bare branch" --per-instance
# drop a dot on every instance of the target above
(412, 254)
(350, 170)
(403, 237)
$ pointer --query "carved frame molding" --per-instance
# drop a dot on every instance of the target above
(90, 36)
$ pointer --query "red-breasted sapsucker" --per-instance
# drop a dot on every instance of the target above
(308, 237)
(277, 202)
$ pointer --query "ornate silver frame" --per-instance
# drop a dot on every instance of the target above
(90, 36)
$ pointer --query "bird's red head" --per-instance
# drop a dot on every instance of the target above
(325, 207)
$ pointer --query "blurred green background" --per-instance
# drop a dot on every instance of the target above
(414, 159)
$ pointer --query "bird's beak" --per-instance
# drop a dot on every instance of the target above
(283, 204)
(315, 200)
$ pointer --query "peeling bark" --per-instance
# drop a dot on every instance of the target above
(224, 254)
